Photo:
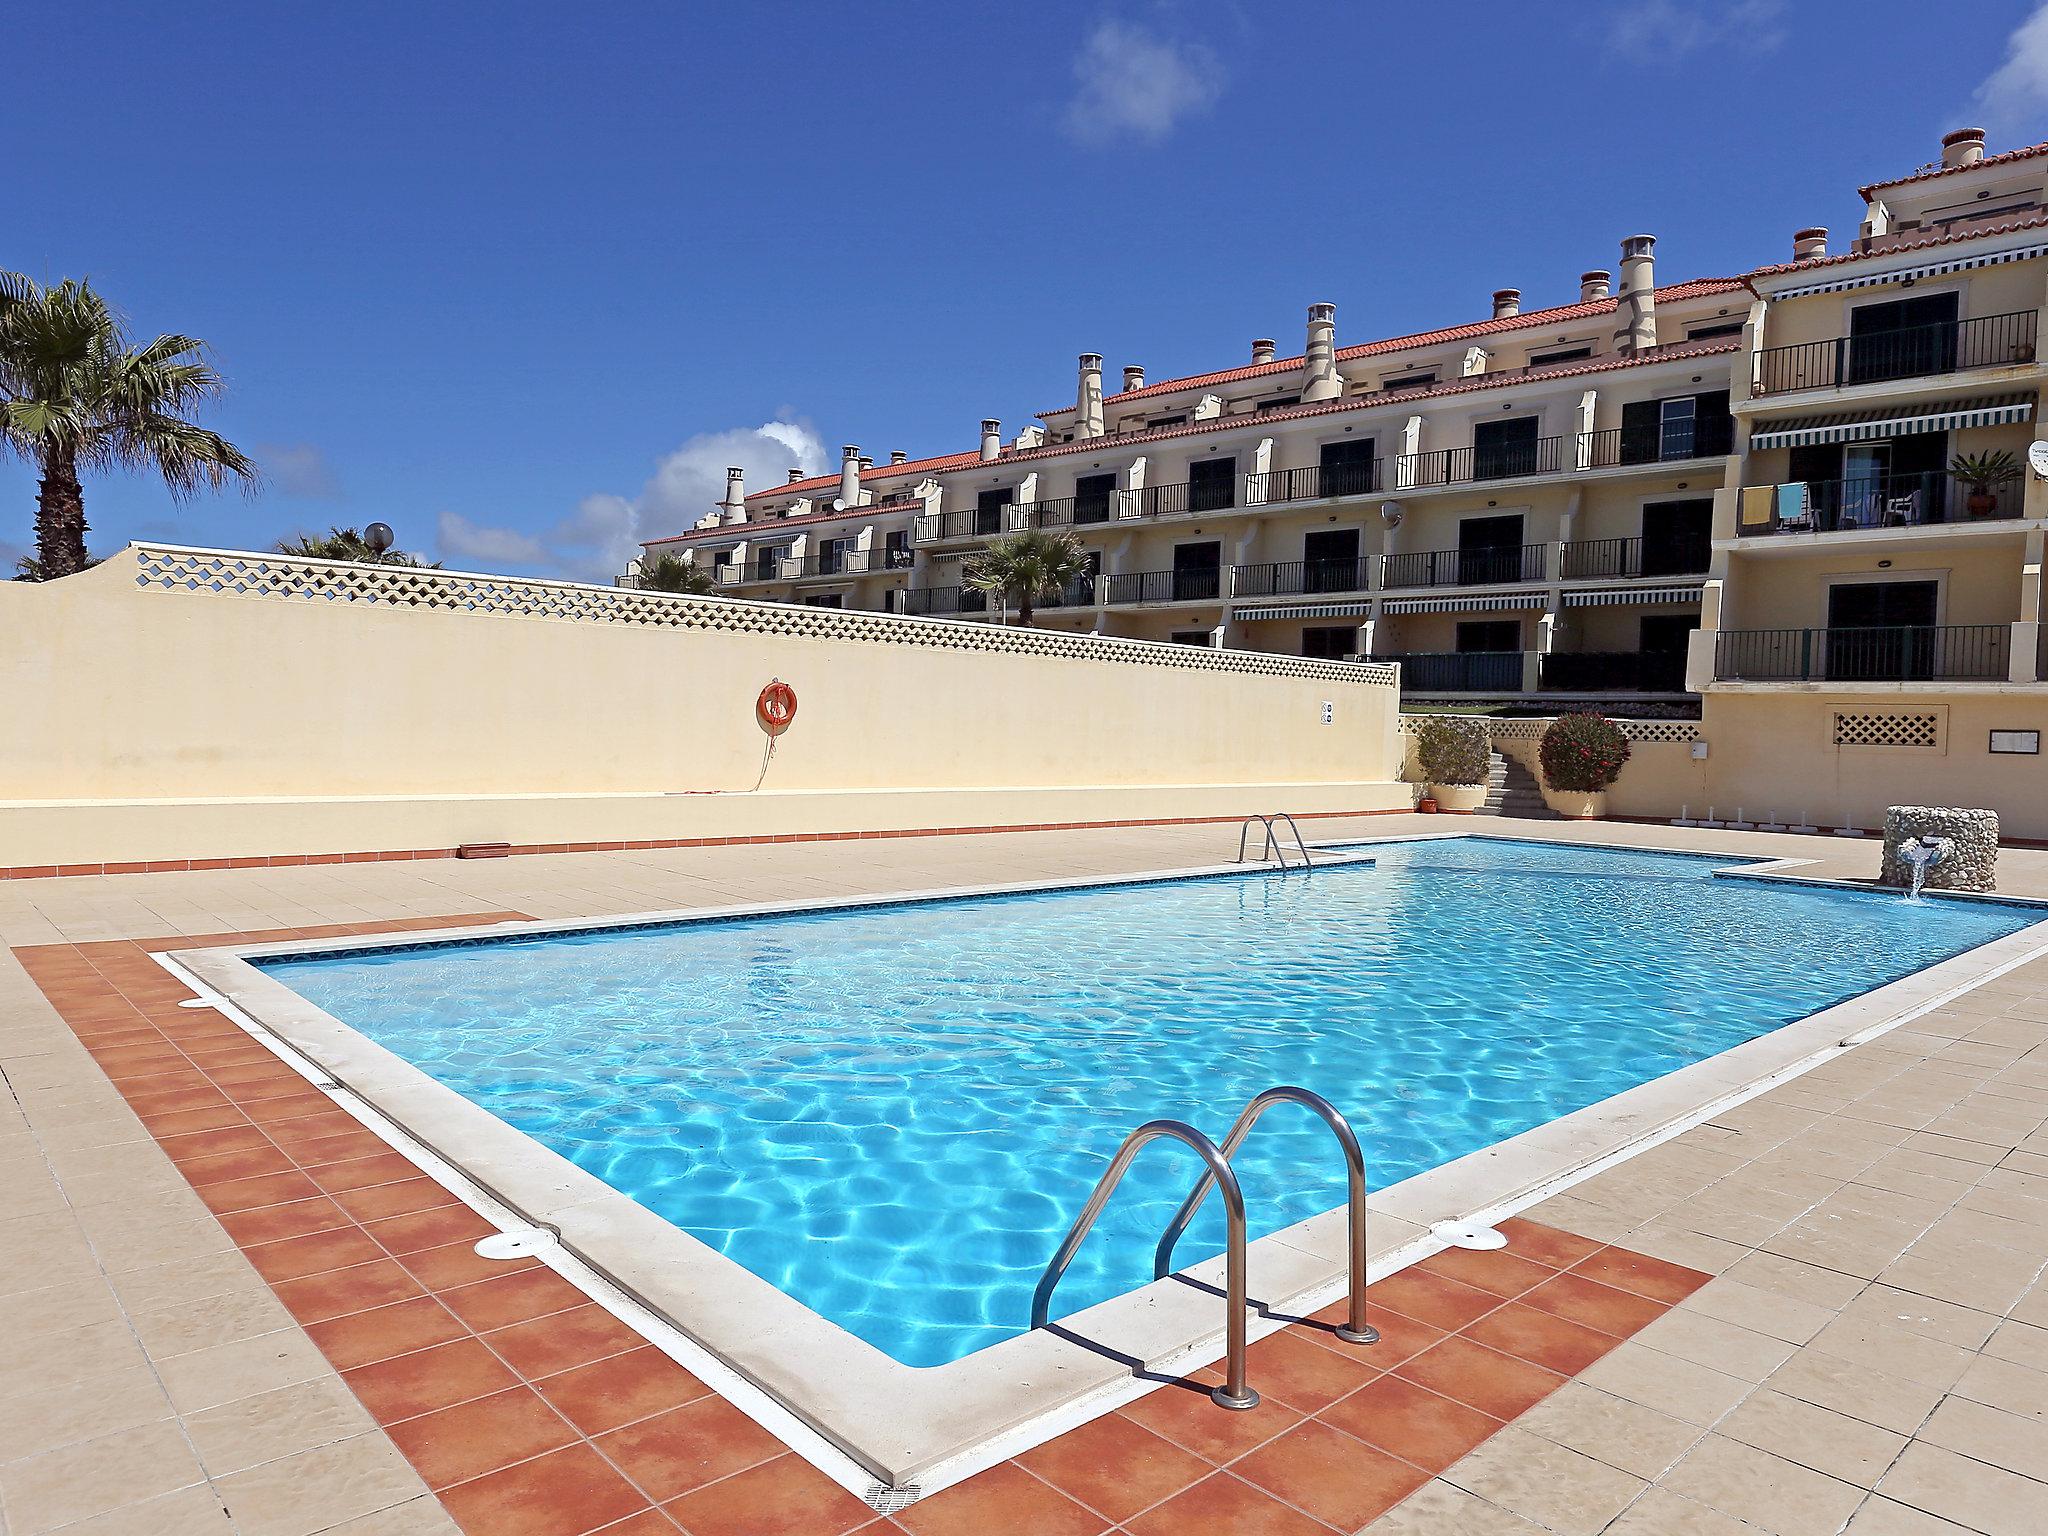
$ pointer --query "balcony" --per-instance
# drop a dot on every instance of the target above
(1665, 443)
(1919, 351)
(1613, 672)
(1460, 466)
(938, 602)
(1316, 482)
(1874, 501)
(1467, 567)
(1295, 578)
(1163, 587)
(1458, 671)
(1613, 559)
(1893, 654)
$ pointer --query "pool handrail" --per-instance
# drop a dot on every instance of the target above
(1273, 848)
(1234, 1392)
(1355, 1329)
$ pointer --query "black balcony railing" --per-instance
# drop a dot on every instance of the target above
(1658, 443)
(1891, 654)
(1467, 567)
(1316, 482)
(1057, 513)
(939, 601)
(1499, 461)
(1163, 587)
(1614, 672)
(1876, 501)
(1459, 672)
(1291, 578)
(851, 562)
(1603, 559)
(1991, 341)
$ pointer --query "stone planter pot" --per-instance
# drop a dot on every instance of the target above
(1578, 804)
(1458, 798)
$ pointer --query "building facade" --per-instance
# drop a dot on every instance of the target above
(1780, 481)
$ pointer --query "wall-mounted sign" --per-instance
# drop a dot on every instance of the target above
(2026, 742)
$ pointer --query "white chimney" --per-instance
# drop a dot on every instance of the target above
(1506, 302)
(1319, 379)
(866, 463)
(849, 474)
(795, 474)
(1593, 285)
(1636, 309)
(1263, 349)
(991, 439)
(1963, 147)
(1809, 243)
(898, 456)
(1134, 376)
(735, 488)
(1088, 397)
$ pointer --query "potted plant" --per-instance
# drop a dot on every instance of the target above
(1582, 754)
(1984, 473)
(1452, 752)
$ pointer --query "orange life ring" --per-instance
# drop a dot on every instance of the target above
(775, 708)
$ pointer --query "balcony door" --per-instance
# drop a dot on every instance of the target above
(1676, 535)
(988, 511)
(1212, 485)
(1503, 448)
(1197, 572)
(1330, 642)
(1661, 642)
(1881, 631)
(1902, 339)
(1490, 549)
(1347, 467)
(1092, 497)
(1329, 561)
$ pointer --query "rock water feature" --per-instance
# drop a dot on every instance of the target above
(1940, 848)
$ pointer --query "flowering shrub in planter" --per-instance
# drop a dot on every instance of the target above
(1451, 749)
(1583, 753)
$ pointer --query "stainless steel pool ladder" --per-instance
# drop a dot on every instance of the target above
(1274, 847)
(1235, 1392)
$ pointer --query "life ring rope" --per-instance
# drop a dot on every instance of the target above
(775, 707)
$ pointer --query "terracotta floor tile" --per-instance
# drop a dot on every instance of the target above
(1411, 1422)
(291, 1134)
(687, 1447)
(453, 1265)
(362, 1338)
(1434, 1299)
(315, 1254)
(1642, 1274)
(342, 1291)
(1222, 1503)
(453, 1445)
(431, 1228)
(289, 1107)
(620, 1390)
(1308, 1375)
(237, 1138)
(356, 1172)
(1483, 1378)
(785, 1497)
(1330, 1475)
(1546, 1245)
(529, 1292)
(275, 1223)
(1115, 1466)
(1401, 1337)
(564, 1493)
(427, 1379)
(1004, 1498)
(563, 1340)
(1592, 1305)
(382, 1200)
(649, 1522)
(249, 1194)
(341, 1146)
(1190, 1420)
(1542, 1338)
(182, 1122)
(1498, 1271)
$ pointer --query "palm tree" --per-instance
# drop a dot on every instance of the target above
(75, 394)
(1026, 568)
(348, 544)
(670, 573)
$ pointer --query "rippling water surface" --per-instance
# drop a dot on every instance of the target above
(892, 1115)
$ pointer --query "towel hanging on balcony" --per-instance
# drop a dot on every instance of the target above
(1792, 502)
(1757, 502)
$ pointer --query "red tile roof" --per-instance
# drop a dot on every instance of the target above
(770, 524)
(2031, 221)
(1933, 171)
(868, 476)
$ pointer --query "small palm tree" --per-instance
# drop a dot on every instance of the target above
(671, 573)
(1026, 568)
(75, 394)
(348, 544)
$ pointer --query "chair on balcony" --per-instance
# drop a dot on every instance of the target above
(1902, 511)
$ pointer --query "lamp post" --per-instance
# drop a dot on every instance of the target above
(380, 539)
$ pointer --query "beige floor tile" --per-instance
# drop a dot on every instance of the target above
(194, 1511)
(216, 1320)
(1842, 1447)
(1760, 1311)
(1828, 1381)
(165, 1286)
(1438, 1508)
(1660, 1512)
(1542, 1481)
(1989, 1434)
(1768, 1491)
(1695, 1393)
(64, 1412)
(309, 1492)
(92, 1477)
(1623, 1434)
(1894, 1351)
(424, 1516)
(98, 1349)
(54, 1309)
(1999, 1383)
(1971, 1493)
(1826, 1288)
(206, 1378)
(1721, 1346)
(1879, 1516)
(252, 1430)
(2021, 1343)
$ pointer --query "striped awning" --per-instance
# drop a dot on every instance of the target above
(1462, 604)
(1308, 611)
(1614, 597)
(1893, 420)
(1900, 274)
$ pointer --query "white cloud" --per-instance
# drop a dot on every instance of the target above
(597, 539)
(298, 469)
(1666, 31)
(1132, 83)
(2016, 95)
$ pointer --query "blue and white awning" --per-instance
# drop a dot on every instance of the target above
(1615, 597)
(1522, 600)
(1308, 611)
(1869, 279)
(1895, 421)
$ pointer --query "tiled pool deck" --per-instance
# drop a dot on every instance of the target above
(226, 1307)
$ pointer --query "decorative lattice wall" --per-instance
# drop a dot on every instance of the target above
(224, 573)
(1533, 729)
(1918, 730)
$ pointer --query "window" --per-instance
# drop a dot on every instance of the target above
(1501, 448)
(1489, 635)
(1715, 328)
(1212, 485)
(1330, 642)
(1167, 421)
(1093, 495)
(988, 510)
(896, 554)
(1348, 467)
(1677, 427)
(1200, 637)
(1902, 338)
(826, 600)
(1278, 405)
(1409, 381)
(1567, 355)
(1197, 572)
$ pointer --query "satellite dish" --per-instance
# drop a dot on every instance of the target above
(379, 537)
(2037, 459)
(838, 503)
(1391, 513)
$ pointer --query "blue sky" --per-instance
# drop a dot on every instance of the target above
(521, 279)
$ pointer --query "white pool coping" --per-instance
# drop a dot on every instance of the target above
(909, 1427)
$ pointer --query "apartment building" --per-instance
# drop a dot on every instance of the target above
(1734, 485)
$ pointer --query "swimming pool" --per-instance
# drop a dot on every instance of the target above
(891, 1113)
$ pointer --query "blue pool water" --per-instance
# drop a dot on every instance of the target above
(892, 1114)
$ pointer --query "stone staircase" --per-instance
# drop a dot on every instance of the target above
(1512, 790)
